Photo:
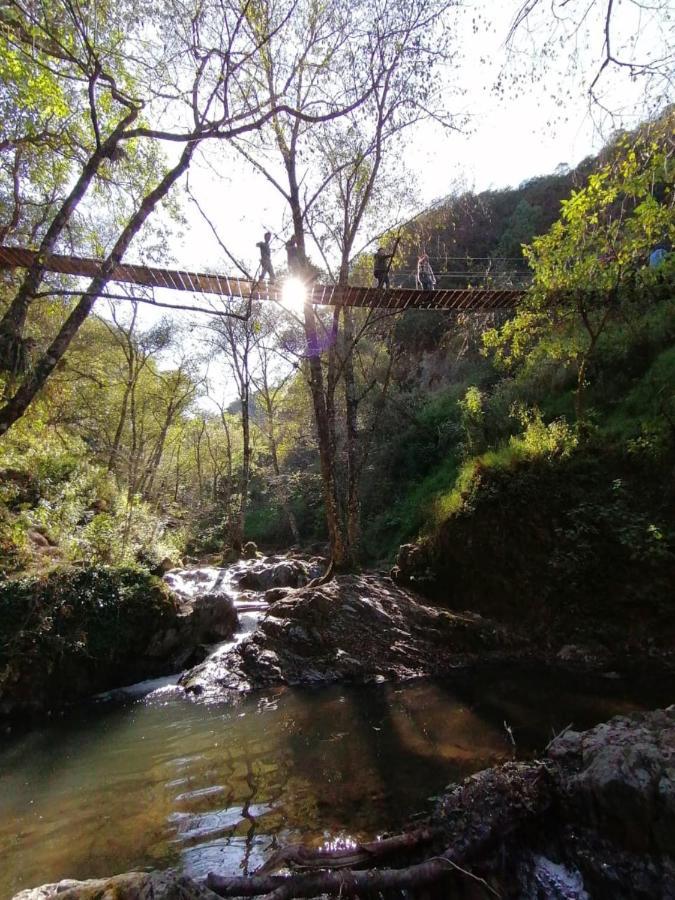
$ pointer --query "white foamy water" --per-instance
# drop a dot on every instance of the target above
(189, 584)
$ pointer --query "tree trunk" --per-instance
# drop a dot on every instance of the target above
(353, 502)
(14, 320)
(115, 449)
(316, 385)
(19, 403)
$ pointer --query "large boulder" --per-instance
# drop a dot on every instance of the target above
(205, 619)
(412, 567)
(211, 618)
(75, 632)
(620, 779)
(249, 550)
(278, 572)
(354, 628)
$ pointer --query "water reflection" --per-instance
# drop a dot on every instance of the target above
(165, 781)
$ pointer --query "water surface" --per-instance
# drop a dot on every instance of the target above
(165, 781)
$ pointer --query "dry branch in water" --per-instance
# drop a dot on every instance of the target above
(471, 823)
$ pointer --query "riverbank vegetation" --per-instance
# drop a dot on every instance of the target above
(540, 439)
(118, 461)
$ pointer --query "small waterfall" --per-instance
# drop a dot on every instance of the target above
(188, 585)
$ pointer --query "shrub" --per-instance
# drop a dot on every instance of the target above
(76, 631)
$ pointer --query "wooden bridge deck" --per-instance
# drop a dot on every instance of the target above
(474, 299)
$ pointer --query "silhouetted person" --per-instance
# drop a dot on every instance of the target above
(381, 267)
(266, 257)
(425, 274)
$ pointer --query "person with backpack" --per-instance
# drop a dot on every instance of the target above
(266, 267)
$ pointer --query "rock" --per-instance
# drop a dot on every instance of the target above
(275, 572)
(249, 550)
(76, 632)
(131, 886)
(354, 628)
(213, 618)
(316, 566)
(412, 566)
(274, 594)
(590, 656)
(166, 565)
(206, 619)
(623, 778)
(38, 539)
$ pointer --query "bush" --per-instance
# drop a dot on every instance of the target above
(77, 505)
(74, 632)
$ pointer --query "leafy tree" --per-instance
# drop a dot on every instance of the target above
(591, 269)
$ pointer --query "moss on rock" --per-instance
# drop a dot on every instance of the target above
(73, 632)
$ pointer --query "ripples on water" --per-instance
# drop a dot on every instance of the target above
(164, 781)
(160, 780)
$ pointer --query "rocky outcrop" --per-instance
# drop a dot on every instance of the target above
(570, 548)
(620, 776)
(205, 619)
(78, 632)
(354, 628)
(413, 568)
(131, 886)
(75, 632)
(614, 836)
(279, 572)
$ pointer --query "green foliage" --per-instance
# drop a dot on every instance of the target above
(591, 278)
(76, 508)
(473, 419)
(523, 225)
(537, 441)
(644, 418)
(70, 632)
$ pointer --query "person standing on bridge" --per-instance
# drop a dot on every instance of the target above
(381, 265)
(425, 274)
(266, 258)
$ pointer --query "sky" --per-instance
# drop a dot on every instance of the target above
(543, 119)
(540, 120)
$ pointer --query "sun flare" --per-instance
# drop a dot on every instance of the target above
(294, 294)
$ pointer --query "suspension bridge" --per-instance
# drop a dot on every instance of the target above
(478, 299)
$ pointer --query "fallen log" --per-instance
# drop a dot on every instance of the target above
(471, 821)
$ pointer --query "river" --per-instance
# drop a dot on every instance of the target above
(152, 778)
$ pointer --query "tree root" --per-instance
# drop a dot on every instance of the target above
(342, 883)
(327, 576)
(355, 857)
(473, 820)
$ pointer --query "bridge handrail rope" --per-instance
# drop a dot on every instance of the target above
(236, 288)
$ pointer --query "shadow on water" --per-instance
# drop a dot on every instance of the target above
(533, 706)
(168, 782)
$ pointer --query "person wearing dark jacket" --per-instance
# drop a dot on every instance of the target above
(381, 267)
(266, 257)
